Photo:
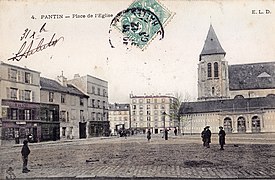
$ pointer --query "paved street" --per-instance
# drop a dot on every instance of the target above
(246, 156)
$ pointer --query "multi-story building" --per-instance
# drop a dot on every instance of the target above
(152, 112)
(72, 104)
(119, 117)
(20, 105)
(97, 89)
(239, 97)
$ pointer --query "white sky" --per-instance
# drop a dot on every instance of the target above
(166, 66)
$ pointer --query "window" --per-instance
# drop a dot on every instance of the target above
(98, 103)
(13, 93)
(162, 106)
(27, 114)
(209, 70)
(63, 116)
(141, 112)
(156, 107)
(148, 100)
(13, 74)
(63, 131)
(63, 98)
(14, 113)
(134, 112)
(134, 106)
(216, 69)
(163, 100)
(140, 101)
(98, 91)
(81, 102)
(93, 103)
(140, 107)
(51, 112)
(82, 115)
(27, 78)
(155, 100)
(51, 94)
(148, 113)
(27, 95)
(148, 106)
(93, 90)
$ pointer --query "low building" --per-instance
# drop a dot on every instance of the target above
(152, 112)
(72, 105)
(119, 117)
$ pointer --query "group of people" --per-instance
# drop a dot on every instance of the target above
(165, 133)
(206, 137)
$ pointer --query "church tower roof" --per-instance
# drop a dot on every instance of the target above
(212, 44)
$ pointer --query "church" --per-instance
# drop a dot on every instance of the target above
(241, 97)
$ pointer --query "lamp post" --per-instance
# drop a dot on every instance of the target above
(163, 118)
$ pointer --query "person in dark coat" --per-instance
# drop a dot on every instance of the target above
(203, 137)
(166, 134)
(176, 131)
(25, 153)
(148, 134)
(207, 136)
(221, 137)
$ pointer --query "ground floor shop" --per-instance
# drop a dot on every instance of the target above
(98, 128)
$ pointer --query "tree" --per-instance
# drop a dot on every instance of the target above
(175, 110)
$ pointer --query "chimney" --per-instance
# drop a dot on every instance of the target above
(62, 80)
(76, 76)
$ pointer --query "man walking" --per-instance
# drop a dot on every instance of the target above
(25, 153)
(203, 137)
(221, 137)
(207, 136)
(148, 135)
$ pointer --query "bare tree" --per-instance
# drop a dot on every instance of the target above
(175, 110)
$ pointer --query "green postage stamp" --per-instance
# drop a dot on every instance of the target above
(142, 22)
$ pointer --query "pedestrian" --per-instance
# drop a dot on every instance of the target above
(221, 137)
(25, 153)
(207, 136)
(176, 131)
(166, 134)
(203, 136)
(148, 134)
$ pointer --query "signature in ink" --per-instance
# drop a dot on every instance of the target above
(27, 49)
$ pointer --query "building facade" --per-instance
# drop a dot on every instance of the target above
(97, 90)
(20, 106)
(72, 106)
(238, 97)
(152, 112)
(119, 117)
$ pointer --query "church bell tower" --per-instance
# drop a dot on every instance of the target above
(213, 80)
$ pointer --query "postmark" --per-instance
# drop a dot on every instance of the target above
(141, 23)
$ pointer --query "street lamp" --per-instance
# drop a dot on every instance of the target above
(163, 118)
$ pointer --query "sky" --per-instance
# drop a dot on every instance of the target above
(166, 66)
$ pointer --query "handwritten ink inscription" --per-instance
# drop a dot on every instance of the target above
(29, 40)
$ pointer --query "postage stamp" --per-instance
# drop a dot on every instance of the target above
(142, 22)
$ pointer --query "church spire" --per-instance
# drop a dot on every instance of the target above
(212, 44)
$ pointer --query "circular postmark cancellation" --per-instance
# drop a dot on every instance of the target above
(138, 26)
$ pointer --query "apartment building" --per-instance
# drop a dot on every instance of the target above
(97, 90)
(152, 112)
(119, 117)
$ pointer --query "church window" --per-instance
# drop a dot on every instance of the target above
(213, 90)
(209, 70)
(216, 69)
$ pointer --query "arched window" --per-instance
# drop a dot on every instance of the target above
(216, 69)
(209, 70)
(213, 90)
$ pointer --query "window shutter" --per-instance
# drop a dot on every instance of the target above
(33, 99)
(31, 79)
(9, 73)
(8, 92)
(19, 76)
(23, 94)
(20, 95)
(23, 76)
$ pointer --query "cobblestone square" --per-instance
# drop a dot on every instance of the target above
(247, 156)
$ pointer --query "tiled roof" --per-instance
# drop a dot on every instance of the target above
(52, 85)
(119, 107)
(212, 44)
(252, 76)
(245, 104)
